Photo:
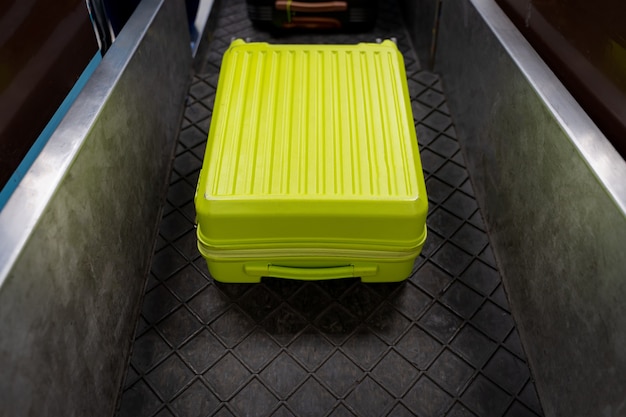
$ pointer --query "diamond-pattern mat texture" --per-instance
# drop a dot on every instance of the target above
(442, 343)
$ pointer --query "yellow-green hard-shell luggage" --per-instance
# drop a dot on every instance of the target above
(312, 169)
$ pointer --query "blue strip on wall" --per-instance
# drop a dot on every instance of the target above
(47, 132)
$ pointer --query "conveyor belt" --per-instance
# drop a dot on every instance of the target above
(442, 343)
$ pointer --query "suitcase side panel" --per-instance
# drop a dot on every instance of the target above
(373, 223)
(253, 270)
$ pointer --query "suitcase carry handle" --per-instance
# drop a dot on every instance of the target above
(277, 271)
(313, 23)
(314, 7)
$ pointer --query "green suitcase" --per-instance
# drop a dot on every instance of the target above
(312, 169)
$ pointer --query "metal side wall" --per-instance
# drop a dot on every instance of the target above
(419, 16)
(78, 233)
(552, 192)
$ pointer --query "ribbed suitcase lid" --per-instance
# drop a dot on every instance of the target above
(308, 127)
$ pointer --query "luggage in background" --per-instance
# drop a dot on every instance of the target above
(306, 14)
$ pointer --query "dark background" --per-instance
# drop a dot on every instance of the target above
(584, 43)
(44, 47)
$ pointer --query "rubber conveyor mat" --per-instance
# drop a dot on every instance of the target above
(442, 343)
